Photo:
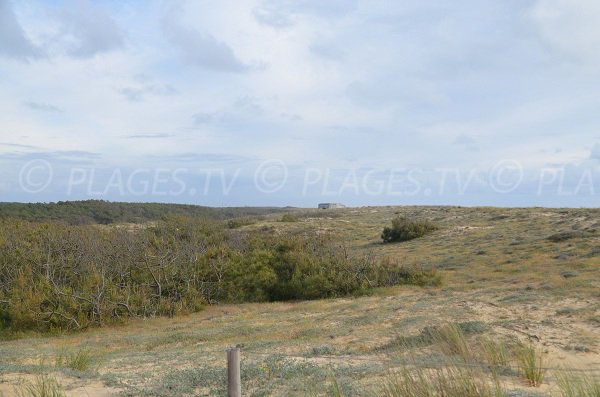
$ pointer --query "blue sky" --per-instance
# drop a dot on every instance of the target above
(262, 102)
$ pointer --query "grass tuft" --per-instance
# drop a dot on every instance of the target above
(449, 381)
(531, 364)
(80, 360)
(578, 384)
(42, 386)
(495, 353)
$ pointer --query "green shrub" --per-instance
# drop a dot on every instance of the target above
(404, 229)
(240, 222)
(57, 277)
(564, 236)
(289, 218)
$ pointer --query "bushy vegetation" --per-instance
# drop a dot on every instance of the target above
(61, 277)
(404, 229)
(105, 212)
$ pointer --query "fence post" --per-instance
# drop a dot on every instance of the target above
(234, 381)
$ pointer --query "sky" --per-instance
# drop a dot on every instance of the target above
(264, 102)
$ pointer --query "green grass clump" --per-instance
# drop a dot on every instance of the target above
(451, 338)
(404, 229)
(452, 341)
(531, 364)
(42, 386)
(289, 218)
(578, 384)
(80, 360)
(236, 223)
(495, 353)
(564, 236)
(447, 381)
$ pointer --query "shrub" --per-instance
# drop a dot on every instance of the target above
(404, 229)
(56, 277)
(236, 223)
(289, 218)
(564, 236)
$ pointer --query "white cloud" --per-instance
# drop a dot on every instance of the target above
(14, 42)
(570, 27)
(88, 30)
(200, 48)
(595, 155)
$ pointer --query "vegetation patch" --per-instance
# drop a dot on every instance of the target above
(568, 235)
(449, 334)
(404, 229)
(62, 277)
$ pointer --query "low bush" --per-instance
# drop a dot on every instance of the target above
(564, 236)
(289, 218)
(240, 222)
(404, 229)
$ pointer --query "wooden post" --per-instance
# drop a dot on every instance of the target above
(234, 381)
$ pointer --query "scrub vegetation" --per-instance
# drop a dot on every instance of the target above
(492, 302)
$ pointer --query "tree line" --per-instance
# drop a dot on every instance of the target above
(105, 212)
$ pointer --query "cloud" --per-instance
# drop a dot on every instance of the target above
(243, 110)
(59, 156)
(272, 16)
(330, 52)
(595, 155)
(150, 136)
(204, 118)
(18, 145)
(464, 140)
(570, 27)
(282, 14)
(13, 40)
(88, 30)
(43, 107)
(202, 158)
(138, 94)
(201, 49)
